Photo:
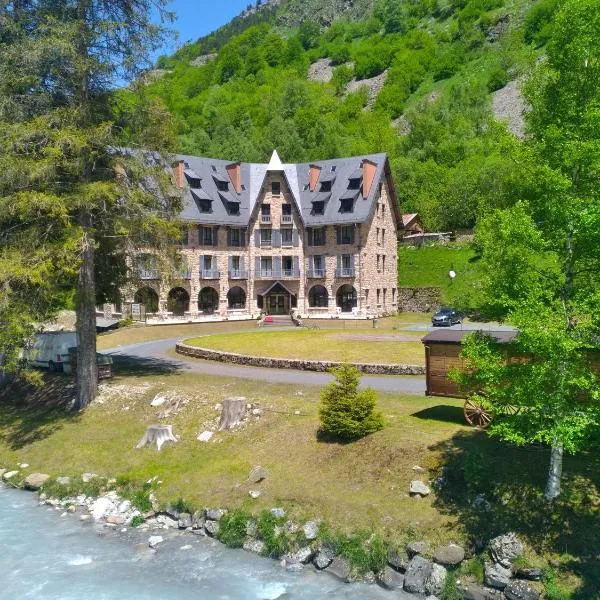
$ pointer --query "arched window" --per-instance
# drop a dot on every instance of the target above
(318, 297)
(346, 298)
(178, 301)
(148, 297)
(208, 300)
(236, 298)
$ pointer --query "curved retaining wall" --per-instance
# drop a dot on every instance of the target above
(292, 363)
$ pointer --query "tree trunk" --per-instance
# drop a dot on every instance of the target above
(234, 410)
(87, 367)
(554, 473)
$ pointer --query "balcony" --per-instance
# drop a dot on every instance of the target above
(265, 219)
(288, 274)
(147, 274)
(316, 273)
(348, 272)
(238, 274)
(265, 274)
(286, 219)
(186, 275)
(210, 274)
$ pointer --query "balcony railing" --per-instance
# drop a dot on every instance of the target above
(290, 273)
(266, 243)
(287, 219)
(265, 218)
(210, 274)
(182, 275)
(147, 274)
(238, 274)
(265, 273)
(316, 273)
(349, 272)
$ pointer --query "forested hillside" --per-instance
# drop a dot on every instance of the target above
(436, 65)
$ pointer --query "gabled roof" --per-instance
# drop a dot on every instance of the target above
(407, 219)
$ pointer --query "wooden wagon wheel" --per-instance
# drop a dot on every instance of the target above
(477, 411)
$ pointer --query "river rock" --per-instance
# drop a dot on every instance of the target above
(211, 527)
(35, 481)
(115, 520)
(311, 530)
(323, 558)
(302, 556)
(505, 548)
(418, 488)
(397, 559)
(251, 528)
(155, 540)
(198, 519)
(85, 517)
(102, 507)
(278, 512)
(167, 522)
(435, 583)
(496, 576)
(185, 521)
(215, 514)
(520, 590)
(450, 555)
(417, 574)
(530, 574)
(256, 546)
(340, 568)
(257, 474)
(9, 475)
(390, 579)
(415, 548)
(474, 591)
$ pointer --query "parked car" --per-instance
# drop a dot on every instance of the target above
(51, 349)
(447, 316)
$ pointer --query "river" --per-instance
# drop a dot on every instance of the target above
(44, 555)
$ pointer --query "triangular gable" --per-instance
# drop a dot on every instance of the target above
(277, 283)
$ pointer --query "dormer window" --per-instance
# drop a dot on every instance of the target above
(205, 206)
(333, 168)
(222, 186)
(326, 186)
(354, 184)
(233, 208)
(276, 188)
(195, 183)
(346, 205)
(318, 208)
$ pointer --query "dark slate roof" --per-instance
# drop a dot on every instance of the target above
(296, 176)
(456, 336)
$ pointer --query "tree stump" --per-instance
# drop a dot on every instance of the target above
(234, 410)
(161, 434)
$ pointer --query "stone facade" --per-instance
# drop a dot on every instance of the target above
(272, 264)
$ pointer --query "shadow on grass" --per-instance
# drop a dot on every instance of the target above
(124, 364)
(494, 488)
(29, 414)
(442, 412)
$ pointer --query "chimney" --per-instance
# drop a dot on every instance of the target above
(178, 173)
(235, 176)
(369, 169)
(313, 177)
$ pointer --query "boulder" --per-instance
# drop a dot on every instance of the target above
(415, 548)
(340, 568)
(278, 512)
(323, 558)
(390, 579)
(418, 488)
(450, 555)
(212, 528)
(496, 576)
(115, 519)
(435, 584)
(505, 548)
(474, 591)
(35, 481)
(215, 514)
(255, 546)
(311, 530)
(530, 574)
(167, 522)
(198, 519)
(102, 507)
(301, 556)
(257, 474)
(155, 540)
(158, 400)
(9, 475)
(251, 528)
(185, 521)
(417, 574)
(520, 590)
(397, 559)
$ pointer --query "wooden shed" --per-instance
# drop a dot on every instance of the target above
(442, 353)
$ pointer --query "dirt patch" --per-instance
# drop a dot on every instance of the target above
(389, 337)
(321, 70)
(509, 105)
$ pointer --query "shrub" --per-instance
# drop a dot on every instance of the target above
(269, 531)
(450, 591)
(232, 528)
(363, 551)
(497, 80)
(346, 412)
(137, 521)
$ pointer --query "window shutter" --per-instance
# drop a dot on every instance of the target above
(339, 262)
(200, 235)
(242, 237)
(295, 239)
(352, 261)
(230, 267)
(242, 263)
(229, 236)
(257, 266)
(338, 232)
(277, 266)
(296, 264)
(257, 238)
(276, 238)
(324, 236)
(215, 236)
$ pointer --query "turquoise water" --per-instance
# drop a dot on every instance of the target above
(44, 555)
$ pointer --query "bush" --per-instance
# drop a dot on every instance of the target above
(497, 80)
(268, 527)
(347, 413)
(232, 528)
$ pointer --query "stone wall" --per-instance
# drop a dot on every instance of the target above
(419, 299)
(298, 364)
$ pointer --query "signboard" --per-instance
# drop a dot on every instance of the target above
(136, 311)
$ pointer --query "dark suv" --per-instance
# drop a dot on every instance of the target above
(446, 316)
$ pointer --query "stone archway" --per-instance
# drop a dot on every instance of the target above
(236, 298)
(208, 300)
(346, 298)
(178, 301)
(148, 297)
(318, 297)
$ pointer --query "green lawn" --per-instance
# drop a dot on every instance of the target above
(367, 345)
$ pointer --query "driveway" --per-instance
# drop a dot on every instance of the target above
(155, 356)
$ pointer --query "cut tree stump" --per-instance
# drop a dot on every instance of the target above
(234, 410)
(161, 434)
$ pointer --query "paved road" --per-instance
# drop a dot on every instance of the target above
(155, 356)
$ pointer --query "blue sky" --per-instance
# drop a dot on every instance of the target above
(196, 18)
